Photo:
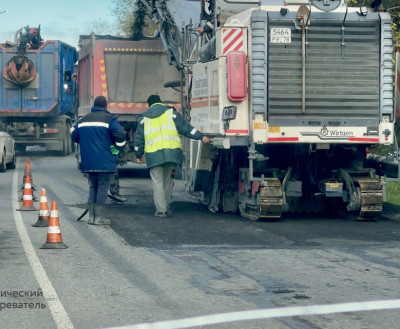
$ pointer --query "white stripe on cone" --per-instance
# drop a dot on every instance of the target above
(53, 229)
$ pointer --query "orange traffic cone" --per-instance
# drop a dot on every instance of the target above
(44, 214)
(27, 199)
(54, 239)
(27, 171)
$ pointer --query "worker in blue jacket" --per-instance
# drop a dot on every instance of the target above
(99, 135)
(157, 135)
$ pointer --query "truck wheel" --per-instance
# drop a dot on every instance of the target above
(3, 165)
(65, 149)
(13, 163)
(69, 139)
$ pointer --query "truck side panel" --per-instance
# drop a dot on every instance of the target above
(67, 60)
(85, 79)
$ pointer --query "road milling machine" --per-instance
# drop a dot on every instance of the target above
(293, 93)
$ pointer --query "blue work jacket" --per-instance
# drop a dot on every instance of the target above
(96, 132)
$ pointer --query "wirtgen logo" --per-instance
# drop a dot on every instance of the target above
(326, 133)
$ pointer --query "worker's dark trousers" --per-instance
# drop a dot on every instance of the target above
(99, 183)
(114, 184)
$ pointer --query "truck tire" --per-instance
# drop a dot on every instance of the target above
(3, 165)
(66, 143)
(64, 151)
(69, 139)
(13, 163)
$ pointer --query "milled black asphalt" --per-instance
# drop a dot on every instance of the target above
(193, 224)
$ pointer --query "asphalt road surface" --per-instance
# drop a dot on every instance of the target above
(195, 263)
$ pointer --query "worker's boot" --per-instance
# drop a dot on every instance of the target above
(91, 213)
(116, 197)
(100, 215)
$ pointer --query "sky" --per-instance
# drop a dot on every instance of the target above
(61, 20)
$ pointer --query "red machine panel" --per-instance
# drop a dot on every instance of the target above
(236, 70)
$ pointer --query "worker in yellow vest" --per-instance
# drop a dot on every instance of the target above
(157, 135)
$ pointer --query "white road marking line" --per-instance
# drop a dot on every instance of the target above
(56, 308)
(268, 314)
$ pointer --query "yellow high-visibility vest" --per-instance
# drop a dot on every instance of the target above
(160, 133)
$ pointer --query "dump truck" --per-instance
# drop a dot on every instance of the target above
(293, 93)
(36, 103)
(126, 72)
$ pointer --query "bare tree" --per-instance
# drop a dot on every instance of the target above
(123, 13)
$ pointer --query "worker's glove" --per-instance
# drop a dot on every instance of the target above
(114, 150)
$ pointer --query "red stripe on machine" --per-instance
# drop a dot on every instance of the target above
(232, 43)
(236, 131)
(232, 39)
(361, 139)
(239, 46)
(283, 139)
(228, 35)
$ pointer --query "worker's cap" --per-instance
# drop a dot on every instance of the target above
(100, 101)
(153, 99)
